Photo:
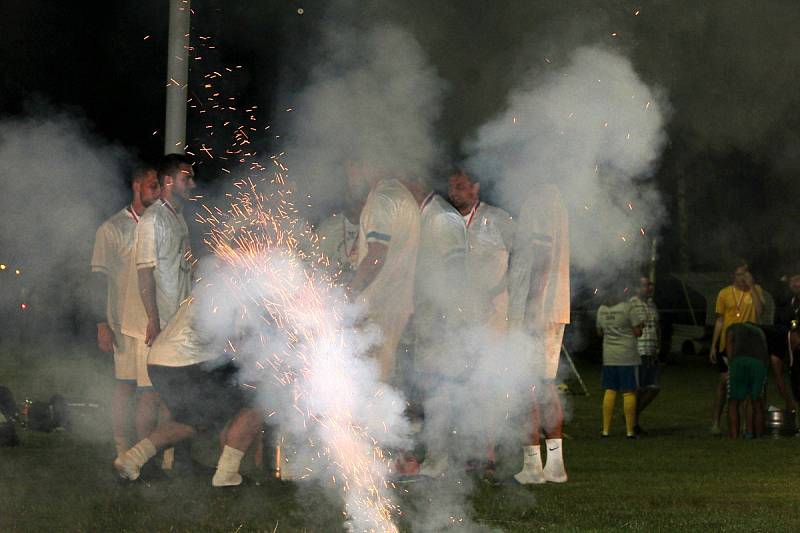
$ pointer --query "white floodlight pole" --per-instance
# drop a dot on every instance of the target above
(177, 76)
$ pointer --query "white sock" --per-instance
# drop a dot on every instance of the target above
(227, 473)
(531, 472)
(142, 452)
(554, 470)
(129, 464)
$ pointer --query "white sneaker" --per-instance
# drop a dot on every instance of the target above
(126, 467)
(435, 466)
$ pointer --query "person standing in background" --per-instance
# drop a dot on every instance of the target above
(648, 344)
(742, 301)
(114, 266)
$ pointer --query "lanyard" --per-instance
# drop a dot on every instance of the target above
(132, 213)
(426, 201)
(472, 213)
(169, 206)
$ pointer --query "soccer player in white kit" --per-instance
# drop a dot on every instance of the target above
(163, 253)
(488, 232)
(540, 306)
(438, 320)
(113, 260)
(388, 240)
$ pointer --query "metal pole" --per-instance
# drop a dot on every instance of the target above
(177, 76)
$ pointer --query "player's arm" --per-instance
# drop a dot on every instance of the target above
(637, 317)
(146, 260)
(99, 297)
(147, 292)
(369, 267)
(102, 255)
(758, 297)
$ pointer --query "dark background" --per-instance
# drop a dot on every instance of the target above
(728, 70)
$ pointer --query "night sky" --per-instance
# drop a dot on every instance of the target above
(728, 69)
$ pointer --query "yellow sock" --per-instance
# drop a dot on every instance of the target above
(629, 407)
(608, 409)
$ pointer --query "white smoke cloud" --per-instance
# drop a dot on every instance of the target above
(59, 182)
(594, 129)
(373, 99)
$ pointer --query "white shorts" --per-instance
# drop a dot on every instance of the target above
(130, 360)
(553, 336)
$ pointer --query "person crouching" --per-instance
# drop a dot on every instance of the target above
(201, 392)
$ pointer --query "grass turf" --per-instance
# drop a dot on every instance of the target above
(678, 478)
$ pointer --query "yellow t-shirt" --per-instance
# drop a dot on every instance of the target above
(735, 306)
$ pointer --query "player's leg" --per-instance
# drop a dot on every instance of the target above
(178, 389)
(738, 391)
(240, 435)
(532, 467)
(124, 392)
(610, 384)
(649, 387)
(720, 394)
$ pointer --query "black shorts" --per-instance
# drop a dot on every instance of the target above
(205, 396)
(777, 340)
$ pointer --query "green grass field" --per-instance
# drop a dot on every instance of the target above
(678, 478)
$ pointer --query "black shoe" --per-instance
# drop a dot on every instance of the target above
(604, 435)
(632, 437)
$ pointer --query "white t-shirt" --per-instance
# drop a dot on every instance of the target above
(390, 216)
(113, 256)
(439, 283)
(162, 242)
(488, 239)
(542, 226)
(179, 344)
(338, 240)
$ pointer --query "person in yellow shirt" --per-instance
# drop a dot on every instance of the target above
(742, 301)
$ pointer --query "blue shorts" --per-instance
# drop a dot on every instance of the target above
(649, 372)
(621, 378)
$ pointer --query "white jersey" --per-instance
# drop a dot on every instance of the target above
(338, 241)
(489, 232)
(162, 242)
(179, 344)
(391, 217)
(113, 256)
(440, 273)
(542, 227)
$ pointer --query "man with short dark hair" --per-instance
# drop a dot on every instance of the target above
(742, 301)
(163, 253)
(488, 232)
(113, 263)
